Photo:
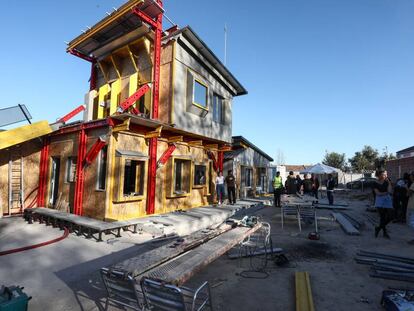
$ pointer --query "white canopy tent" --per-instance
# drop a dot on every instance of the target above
(321, 169)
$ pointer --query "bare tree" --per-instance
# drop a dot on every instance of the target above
(280, 157)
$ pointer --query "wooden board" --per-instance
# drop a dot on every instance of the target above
(23, 133)
(304, 299)
(182, 268)
(143, 262)
(345, 224)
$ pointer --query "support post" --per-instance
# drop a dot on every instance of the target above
(43, 169)
(220, 160)
(77, 209)
(153, 143)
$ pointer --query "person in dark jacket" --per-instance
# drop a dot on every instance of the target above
(307, 185)
(400, 198)
(315, 185)
(330, 186)
(231, 187)
(290, 184)
(383, 202)
(298, 183)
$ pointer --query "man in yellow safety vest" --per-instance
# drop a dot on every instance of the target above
(277, 188)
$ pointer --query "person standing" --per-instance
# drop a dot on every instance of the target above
(410, 205)
(220, 187)
(383, 202)
(330, 186)
(231, 187)
(307, 185)
(298, 183)
(400, 197)
(290, 183)
(315, 185)
(277, 189)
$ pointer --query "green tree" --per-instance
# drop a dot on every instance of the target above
(365, 160)
(335, 159)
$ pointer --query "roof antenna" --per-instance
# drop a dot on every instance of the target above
(225, 44)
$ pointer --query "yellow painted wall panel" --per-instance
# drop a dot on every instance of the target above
(103, 92)
(115, 94)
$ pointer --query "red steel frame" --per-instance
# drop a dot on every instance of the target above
(71, 114)
(152, 164)
(44, 165)
(77, 205)
(166, 155)
(125, 105)
(94, 151)
(220, 160)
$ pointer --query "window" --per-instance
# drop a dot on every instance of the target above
(199, 175)
(181, 177)
(71, 169)
(248, 177)
(199, 94)
(102, 162)
(218, 109)
(133, 178)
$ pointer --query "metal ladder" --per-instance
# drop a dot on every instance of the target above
(16, 193)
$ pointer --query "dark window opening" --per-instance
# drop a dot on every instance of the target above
(103, 158)
(133, 178)
(199, 175)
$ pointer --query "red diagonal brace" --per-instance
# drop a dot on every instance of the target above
(134, 97)
(93, 152)
(71, 114)
(166, 155)
(220, 160)
(145, 17)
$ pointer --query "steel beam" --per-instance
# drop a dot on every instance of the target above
(71, 114)
(77, 208)
(94, 151)
(43, 169)
(166, 155)
(125, 105)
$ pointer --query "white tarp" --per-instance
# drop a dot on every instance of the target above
(320, 169)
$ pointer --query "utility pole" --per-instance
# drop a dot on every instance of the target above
(225, 44)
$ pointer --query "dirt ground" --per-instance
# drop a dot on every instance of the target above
(338, 283)
(65, 275)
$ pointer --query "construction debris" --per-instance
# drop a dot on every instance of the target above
(387, 266)
(346, 225)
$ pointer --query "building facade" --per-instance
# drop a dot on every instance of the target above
(250, 165)
(157, 120)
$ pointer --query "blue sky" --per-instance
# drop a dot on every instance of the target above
(321, 74)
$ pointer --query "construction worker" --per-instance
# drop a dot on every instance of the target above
(290, 183)
(277, 188)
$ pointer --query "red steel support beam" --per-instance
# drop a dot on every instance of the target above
(145, 17)
(125, 105)
(166, 155)
(220, 160)
(71, 114)
(92, 81)
(213, 158)
(77, 208)
(43, 170)
(94, 151)
(153, 143)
